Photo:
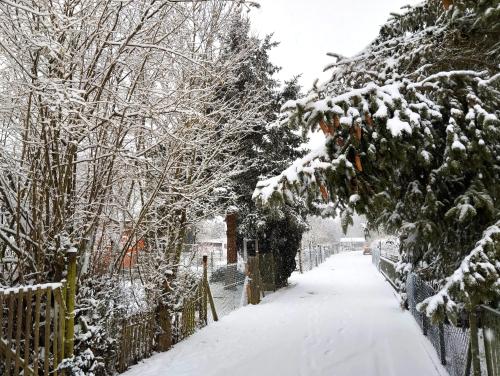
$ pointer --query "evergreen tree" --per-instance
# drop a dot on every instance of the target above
(264, 151)
(412, 142)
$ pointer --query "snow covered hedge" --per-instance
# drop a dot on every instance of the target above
(412, 140)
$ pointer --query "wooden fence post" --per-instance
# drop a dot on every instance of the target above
(208, 292)
(253, 292)
(474, 343)
(442, 346)
(204, 288)
(300, 260)
(70, 304)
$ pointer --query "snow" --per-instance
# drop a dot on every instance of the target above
(397, 126)
(26, 288)
(457, 145)
(475, 258)
(342, 319)
(426, 155)
(266, 188)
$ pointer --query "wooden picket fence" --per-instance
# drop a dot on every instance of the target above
(32, 328)
(136, 340)
(138, 335)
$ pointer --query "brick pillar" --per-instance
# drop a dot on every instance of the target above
(231, 223)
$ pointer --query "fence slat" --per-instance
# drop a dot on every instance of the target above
(62, 322)
(47, 333)
(10, 324)
(19, 328)
(1, 315)
(36, 328)
(27, 330)
(55, 334)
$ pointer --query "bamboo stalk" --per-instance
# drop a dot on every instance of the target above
(211, 300)
(205, 295)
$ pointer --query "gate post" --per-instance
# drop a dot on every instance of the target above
(442, 346)
(70, 304)
(474, 343)
(300, 260)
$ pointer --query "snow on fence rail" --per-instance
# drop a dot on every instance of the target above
(452, 343)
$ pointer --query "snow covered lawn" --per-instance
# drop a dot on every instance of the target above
(340, 319)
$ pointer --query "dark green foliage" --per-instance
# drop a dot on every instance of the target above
(267, 149)
(425, 96)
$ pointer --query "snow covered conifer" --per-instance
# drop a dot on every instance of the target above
(425, 97)
(265, 150)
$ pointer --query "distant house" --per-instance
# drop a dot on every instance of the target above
(106, 256)
(212, 245)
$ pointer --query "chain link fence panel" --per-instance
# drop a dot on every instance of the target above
(310, 257)
(491, 333)
(451, 342)
(227, 285)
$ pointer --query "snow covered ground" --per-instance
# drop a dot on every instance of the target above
(340, 319)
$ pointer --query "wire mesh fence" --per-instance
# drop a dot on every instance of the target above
(451, 342)
(491, 333)
(227, 283)
(375, 256)
(388, 269)
(192, 257)
(310, 257)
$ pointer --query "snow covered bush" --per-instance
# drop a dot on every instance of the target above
(101, 306)
(412, 135)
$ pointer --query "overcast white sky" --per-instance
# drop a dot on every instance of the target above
(308, 29)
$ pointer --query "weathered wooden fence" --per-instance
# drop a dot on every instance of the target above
(267, 269)
(139, 335)
(137, 339)
(32, 329)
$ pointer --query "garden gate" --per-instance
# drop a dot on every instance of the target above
(32, 329)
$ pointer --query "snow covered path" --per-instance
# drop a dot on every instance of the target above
(340, 319)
